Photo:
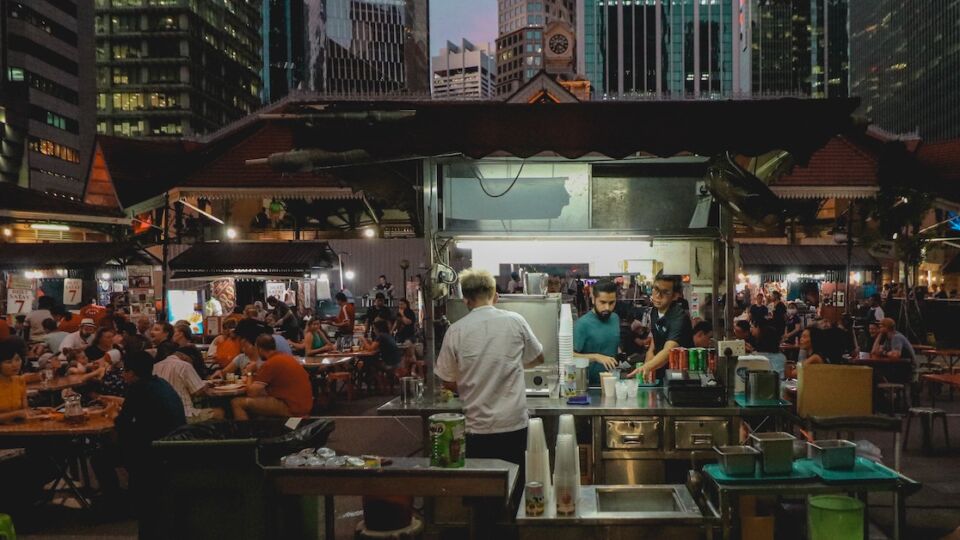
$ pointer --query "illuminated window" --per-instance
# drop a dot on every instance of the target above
(52, 149)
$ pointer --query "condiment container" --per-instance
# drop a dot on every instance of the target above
(834, 454)
(738, 460)
(777, 450)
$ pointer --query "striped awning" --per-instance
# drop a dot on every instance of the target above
(766, 257)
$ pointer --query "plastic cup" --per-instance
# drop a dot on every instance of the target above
(536, 441)
(609, 386)
(632, 390)
(621, 390)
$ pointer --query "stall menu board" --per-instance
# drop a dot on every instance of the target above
(181, 305)
(19, 301)
(72, 290)
(276, 289)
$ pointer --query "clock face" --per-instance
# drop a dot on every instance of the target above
(558, 43)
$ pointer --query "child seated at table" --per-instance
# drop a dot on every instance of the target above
(79, 364)
(13, 386)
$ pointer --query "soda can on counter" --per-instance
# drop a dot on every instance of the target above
(448, 440)
(699, 360)
(712, 360)
(534, 499)
(683, 359)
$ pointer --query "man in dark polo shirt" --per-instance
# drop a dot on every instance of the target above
(669, 324)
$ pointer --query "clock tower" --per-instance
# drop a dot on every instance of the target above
(559, 56)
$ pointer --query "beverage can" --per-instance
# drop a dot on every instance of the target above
(448, 440)
(534, 500)
(712, 360)
(684, 360)
(566, 495)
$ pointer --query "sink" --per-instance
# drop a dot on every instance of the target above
(665, 499)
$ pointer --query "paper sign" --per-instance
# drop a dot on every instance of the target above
(72, 290)
(17, 281)
(276, 289)
(292, 422)
(19, 301)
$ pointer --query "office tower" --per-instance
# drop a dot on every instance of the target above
(368, 47)
(284, 48)
(46, 93)
(173, 68)
(905, 65)
(464, 71)
(525, 30)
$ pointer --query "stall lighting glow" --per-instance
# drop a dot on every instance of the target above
(895, 235)
(49, 227)
(856, 277)
(231, 233)
(753, 279)
(369, 233)
(324, 277)
(32, 274)
(105, 276)
(208, 214)
(741, 277)
(793, 277)
(7, 231)
(349, 274)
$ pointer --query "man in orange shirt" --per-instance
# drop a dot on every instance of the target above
(66, 321)
(281, 386)
(343, 323)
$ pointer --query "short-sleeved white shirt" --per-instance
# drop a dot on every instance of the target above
(182, 377)
(484, 354)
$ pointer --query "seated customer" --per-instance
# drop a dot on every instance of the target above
(382, 343)
(248, 360)
(226, 346)
(183, 337)
(314, 341)
(768, 346)
(13, 386)
(811, 343)
(177, 370)
(53, 337)
(281, 386)
(895, 346)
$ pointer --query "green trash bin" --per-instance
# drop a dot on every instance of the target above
(835, 517)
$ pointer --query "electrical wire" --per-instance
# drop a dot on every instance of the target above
(479, 177)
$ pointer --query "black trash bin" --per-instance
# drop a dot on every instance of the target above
(212, 485)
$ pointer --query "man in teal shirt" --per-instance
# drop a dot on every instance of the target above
(596, 335)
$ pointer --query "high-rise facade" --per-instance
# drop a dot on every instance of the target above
(905, 65)
(367, 47)
(284, 48)
(173, 68)
(464, 72)
(657, 48)
(800, 47)
(520, 39)
(46, 93)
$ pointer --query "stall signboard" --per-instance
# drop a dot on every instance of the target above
(19, 301)
(19, 282)
(72, 291)
(182, 306)
(276, 289)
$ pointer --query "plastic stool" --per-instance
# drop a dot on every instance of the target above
(6, 528)
(895, 395)
(927, 416)
(410, 532)
(346, 378)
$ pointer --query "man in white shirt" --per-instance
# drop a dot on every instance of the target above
(483, 357)
(177, 370)
(81, 339)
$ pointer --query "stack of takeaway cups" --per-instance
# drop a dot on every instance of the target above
(567, 427)
(565, 473)
(538, 457)
(565, 343)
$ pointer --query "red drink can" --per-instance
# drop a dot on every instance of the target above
(684, 360)
(712, 360)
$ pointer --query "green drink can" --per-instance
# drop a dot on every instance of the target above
(448, 440)
(692, 359)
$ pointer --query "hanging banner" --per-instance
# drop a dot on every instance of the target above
(19, 301)
(72, 291)
(276, 289)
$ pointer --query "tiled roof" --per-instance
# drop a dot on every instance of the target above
(841, 162)
(254, 258)
(942, 159)
(69, 255)
(13, 197)
(227, 167)
(141, 169)
(811, 257)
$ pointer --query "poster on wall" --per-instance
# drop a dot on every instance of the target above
(19, 301)
(140, 277)
(225, 290)
(72, 291)
(182, 306)
(276, 289)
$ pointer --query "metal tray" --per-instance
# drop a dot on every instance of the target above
(864, 470)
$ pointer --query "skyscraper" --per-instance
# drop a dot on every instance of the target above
(657, 48)
(368, 47)
(46, 93)
(905, 65)
(172, 68)
(520, 41)
(799, 47)
(284, 48)
(464, 71)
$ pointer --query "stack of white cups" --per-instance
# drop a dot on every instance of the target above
(565, 475)
(538, 457)
(567, 427)
(565, 350)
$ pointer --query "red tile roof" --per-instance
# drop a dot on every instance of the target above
(842, 162)
(942, 159)
(228, 168)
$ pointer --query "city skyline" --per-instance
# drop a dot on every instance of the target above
(451, 20)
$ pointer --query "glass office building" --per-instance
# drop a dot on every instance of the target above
(680, 48)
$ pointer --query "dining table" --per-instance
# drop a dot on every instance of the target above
(952, 380)
(950, 356)
(55, 384)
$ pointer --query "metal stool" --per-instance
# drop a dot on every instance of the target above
(895, 394)
(410, 532)
(927, 416)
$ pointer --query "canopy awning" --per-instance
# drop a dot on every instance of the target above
(357, 131)
(17, 203)
(68, 255)
(782, 258)
(290, 259)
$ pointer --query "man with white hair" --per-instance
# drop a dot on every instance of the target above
(483, 357)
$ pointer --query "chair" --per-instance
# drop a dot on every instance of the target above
(927, 416)
(346, 380)
(895, 394)
(6, 528)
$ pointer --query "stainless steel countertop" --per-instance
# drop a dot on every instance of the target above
(649, 402)
(588, 514)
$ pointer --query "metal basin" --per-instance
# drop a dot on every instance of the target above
(635, 500)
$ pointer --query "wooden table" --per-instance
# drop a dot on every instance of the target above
(219, 391)
(951, 356)
(951, 380)
(326, 363)
(56, 384)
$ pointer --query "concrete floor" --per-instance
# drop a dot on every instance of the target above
(932, 513)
